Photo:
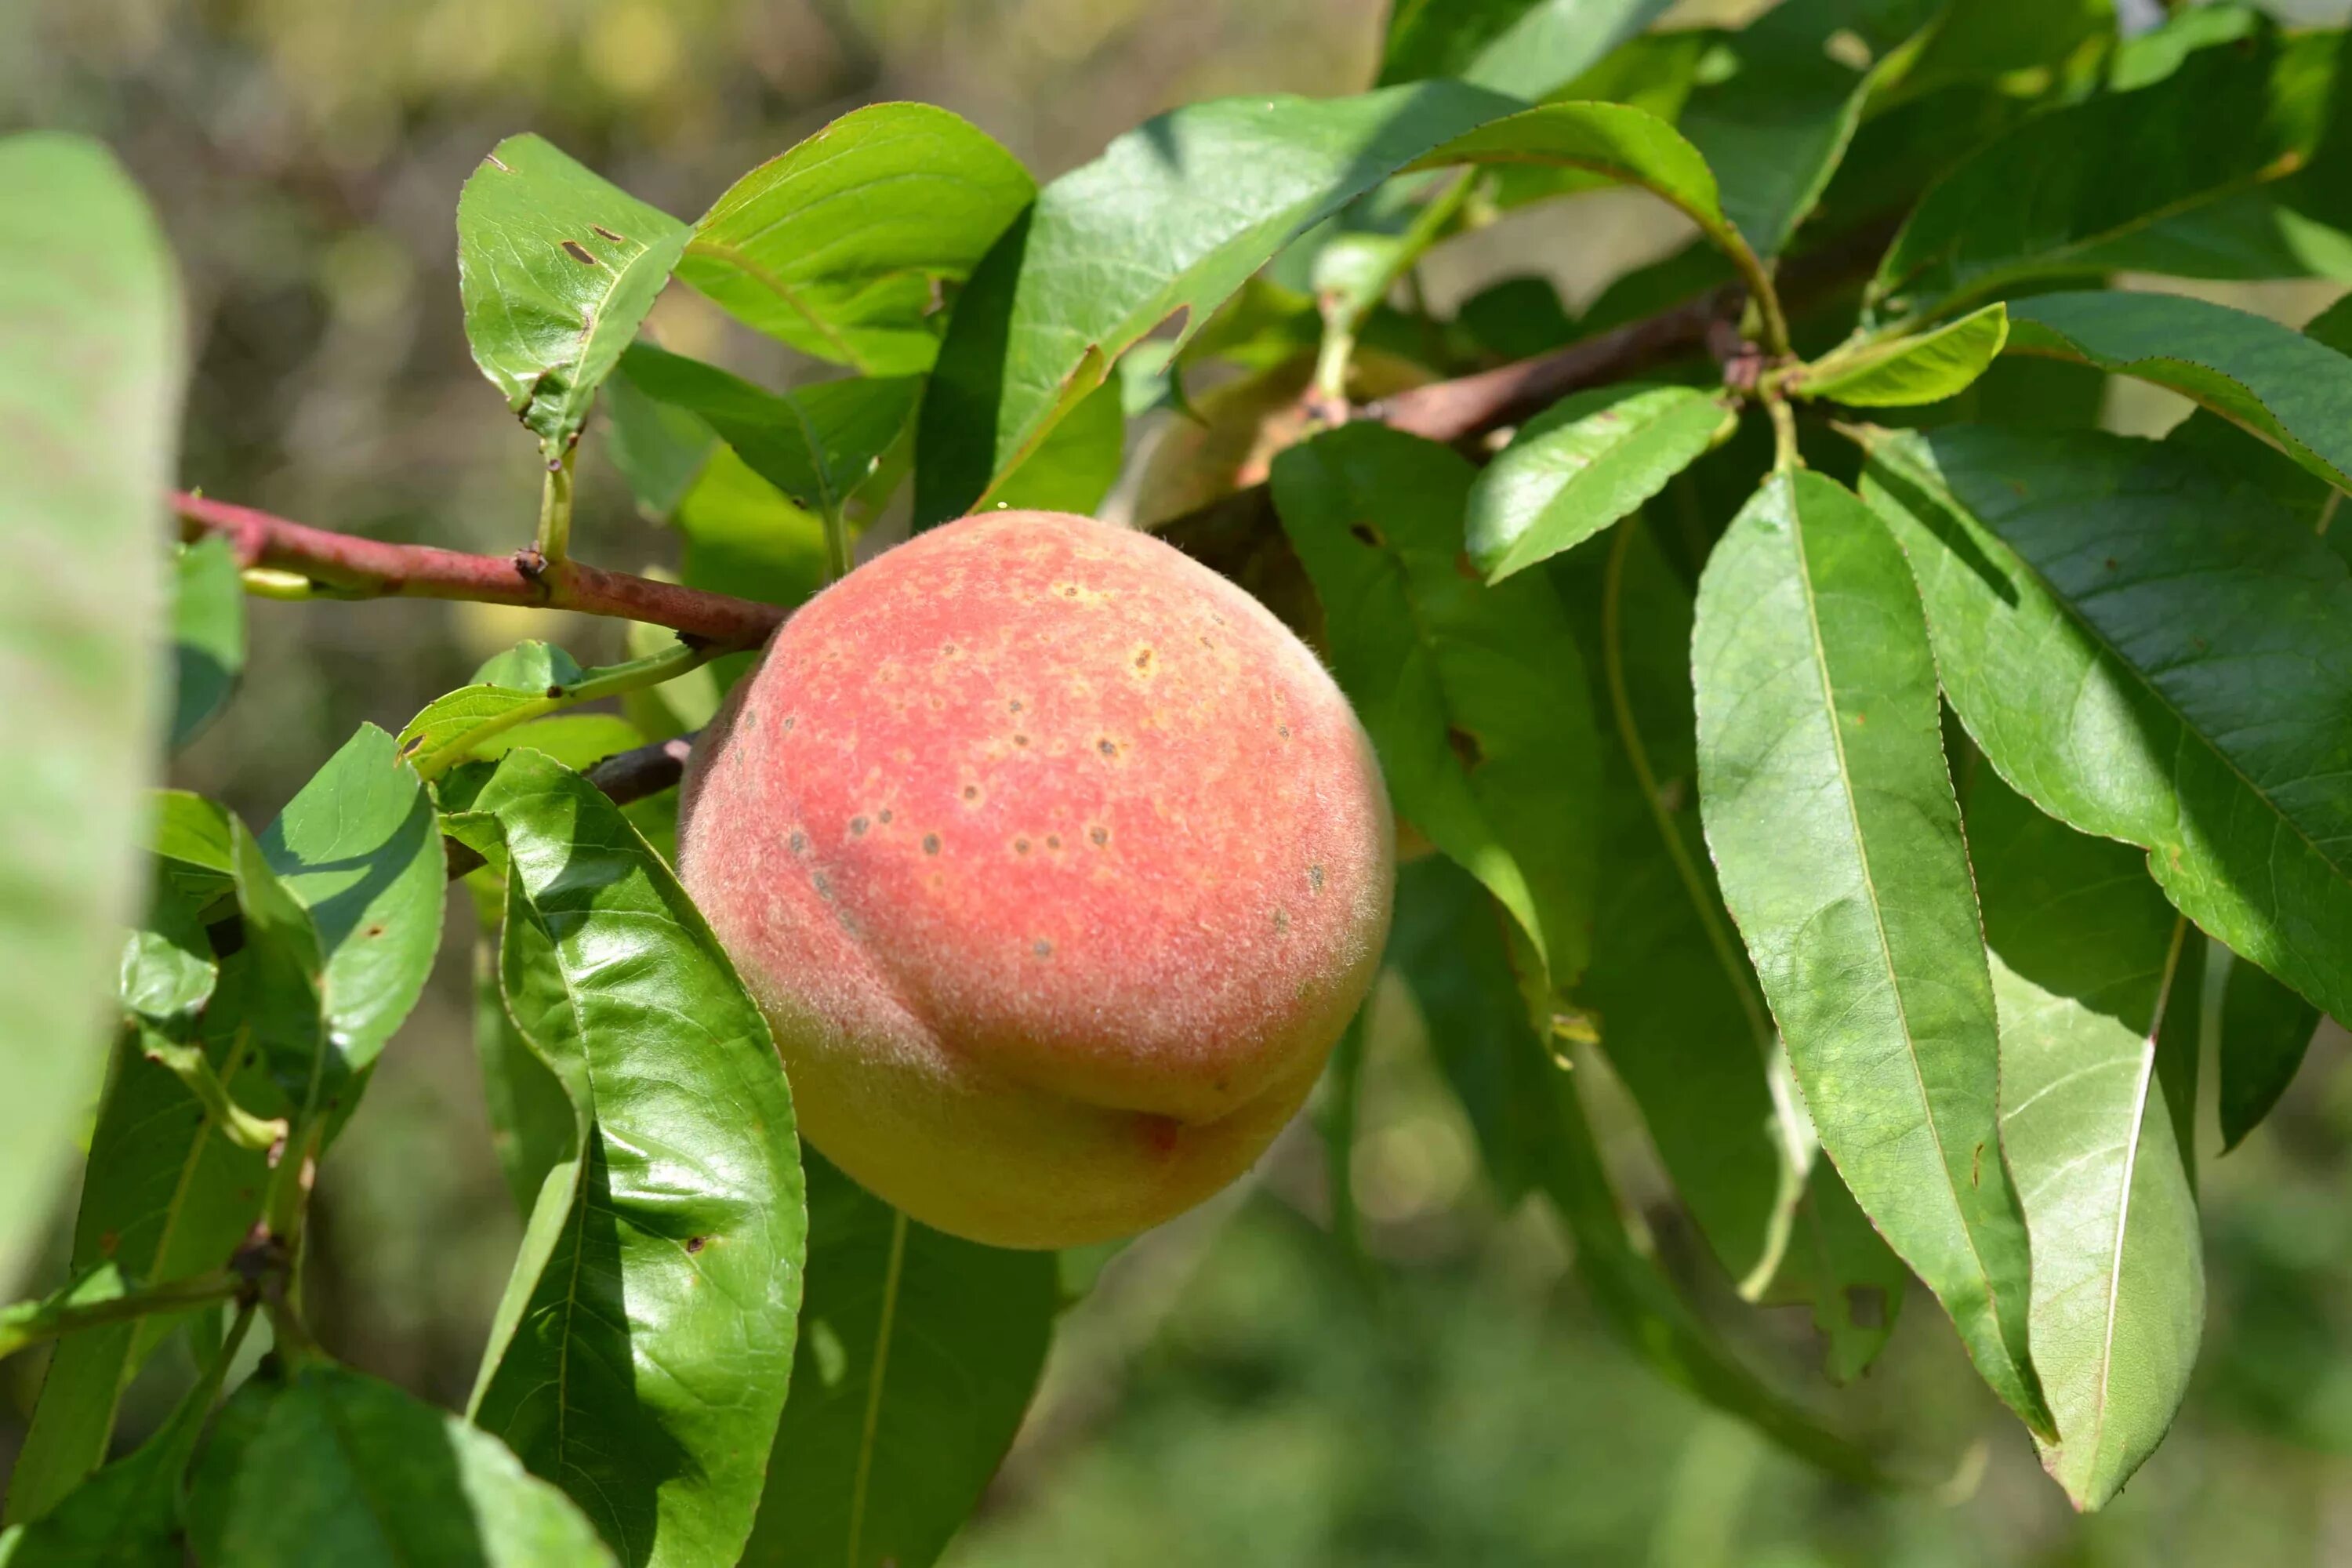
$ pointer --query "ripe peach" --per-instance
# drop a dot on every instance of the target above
(1056, 863)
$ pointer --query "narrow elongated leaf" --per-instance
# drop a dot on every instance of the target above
(1907, 371)
(207, 634)
(533, 1126)
(557, 268)
(640, 1357)
(2041, 197)
(2271, 379)
(917, 1355)
(2266, 1030)
(1524, 47)
(1474, 696)
(1679, 1014)
(1450, 946)
(359, 849)
(2088, 964)
(817, 444)
(1831, 813)
(2148, 652)
(165, 1195)
(1177, 213)
(332, 1466)
(838, 245)
(1581, 465)
(89, 368)
(1775, 122)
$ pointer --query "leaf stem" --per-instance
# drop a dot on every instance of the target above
(891, 1272)
(35, 1322)
(194, 1069)
(1346, 310)
(1786, 458)
(840, 557)
(1337, 1122)
(555, 511)
(612, 680)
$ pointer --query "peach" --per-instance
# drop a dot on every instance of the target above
(1056, 863)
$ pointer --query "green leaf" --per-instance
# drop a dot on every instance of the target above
(2271, 379)
(556, 268)
(1831, 813)
(1775, 117)
(1474, 695)
(475, 719)
(534, 1128)
(1581, 465)
(1524, 47)
(359, 849)
(817, 444)
(207, 634)
(918, 1355)
(1679, 1014)
(1173, 217)
(530, 665)
(745, 536)
(1905, 370)
(2266, 1030)
(2039, 199)
(164, 1197)
(578, 741)
(2151, 653)
(128, 1514)
(89, 392)
(640, 1357)
(1073, 468)
(332, 1466)
(1450, 946)
(838, 245)
(2088, 967)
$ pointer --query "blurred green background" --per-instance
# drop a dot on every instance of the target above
(1232, 1392)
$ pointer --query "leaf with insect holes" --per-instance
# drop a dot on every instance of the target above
(2273, 380)
(1907, 371)
(839, 244)
(1176, 214)
(2096, 980)
(556, 268)
(917, 1355)
(640, 1354)
(1829, 811)
(89, 393)
(1582, 464)
(1474, 694)
(2152, 651)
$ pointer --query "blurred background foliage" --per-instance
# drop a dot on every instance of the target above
(1233, 1390)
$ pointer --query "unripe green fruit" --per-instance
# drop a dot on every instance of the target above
(1056, 863)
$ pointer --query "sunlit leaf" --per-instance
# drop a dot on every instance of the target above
(2271, 379)
(1905, 370)
(1581, 465)
(839, 244)
(1524, 47)
(1829, 810)
(207, 634)
(2091, 968)
(2151, 652)
(640, 1355)
(557, 268)
(89, 392)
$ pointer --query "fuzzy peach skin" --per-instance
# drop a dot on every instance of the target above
(1056, 863)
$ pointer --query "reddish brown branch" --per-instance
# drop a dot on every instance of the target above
(342, 563)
